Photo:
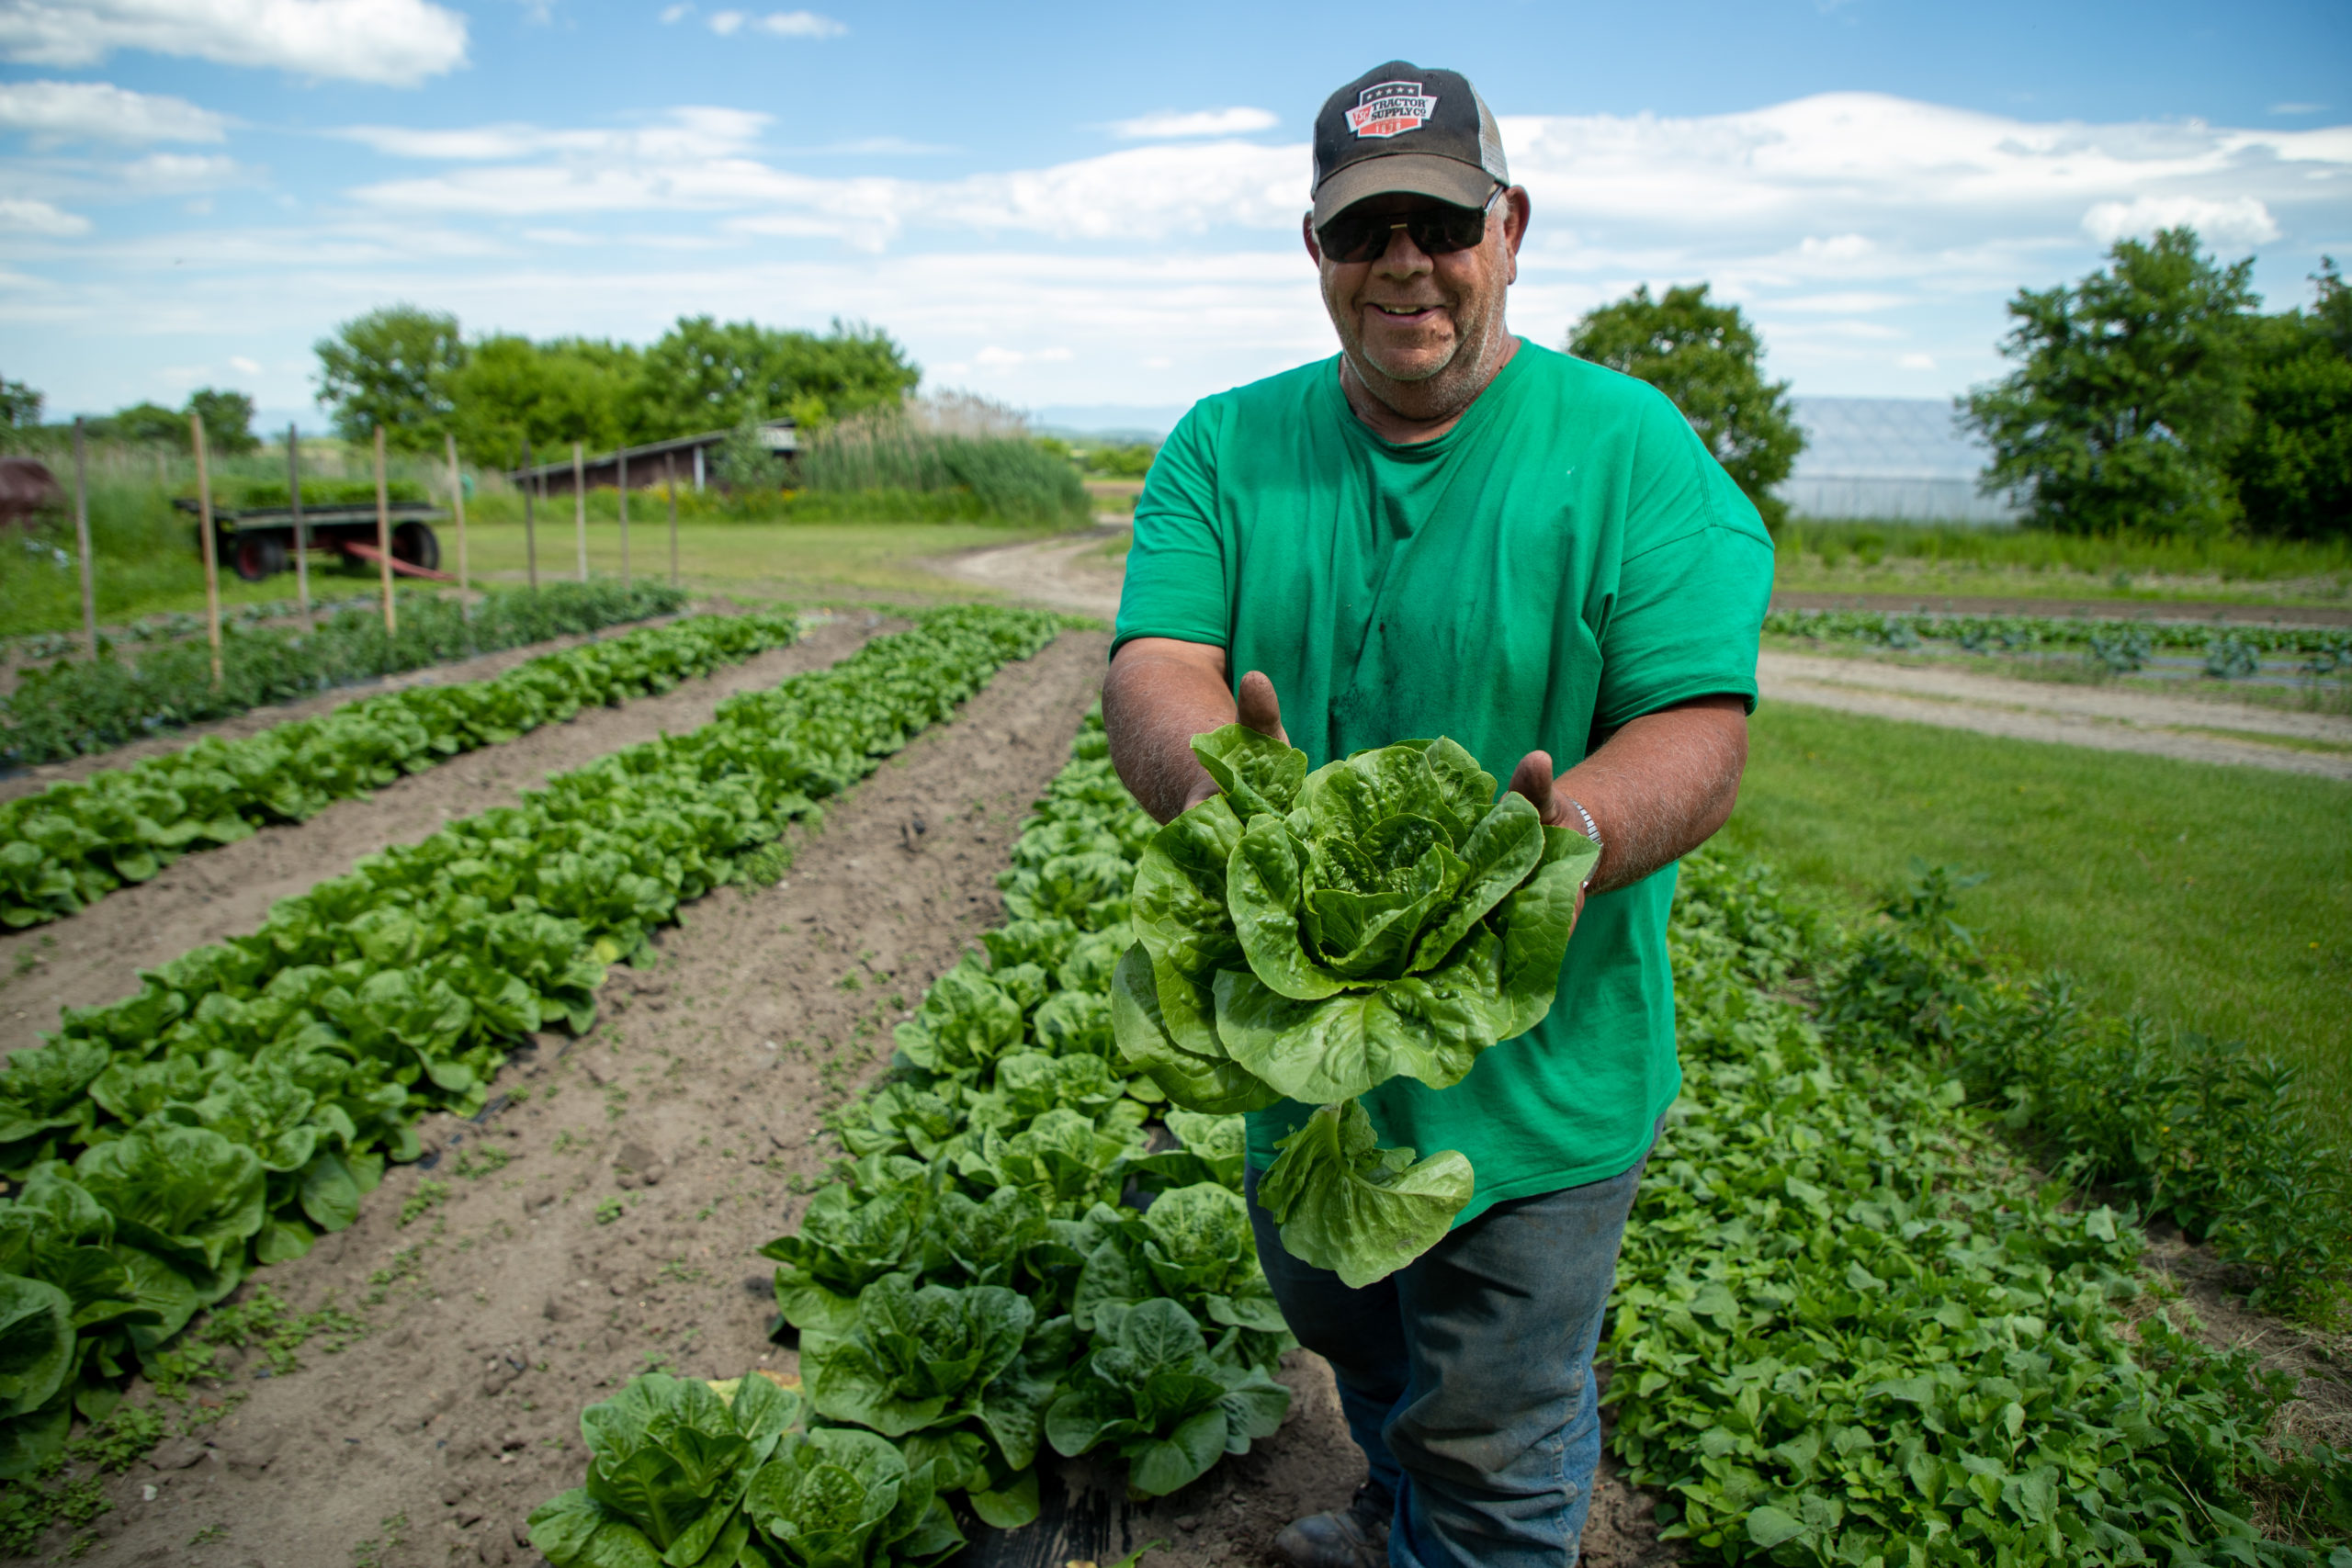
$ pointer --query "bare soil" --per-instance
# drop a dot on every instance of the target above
(94, 956)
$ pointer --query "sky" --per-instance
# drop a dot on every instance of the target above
(1070, 206)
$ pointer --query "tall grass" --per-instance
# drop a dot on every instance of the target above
(2036, 550)
(898, 456)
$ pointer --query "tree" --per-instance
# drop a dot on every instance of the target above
(228, 421)
(746, 463)
(393, 368)
(2128, 397)
(1704, 356)
(703, 376)
(2293, 470)
(19, 405)
(150, 422)
(511, 389)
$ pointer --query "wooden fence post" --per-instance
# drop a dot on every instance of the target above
(211, 552)
(82, 540)
(384, 538)
(457, 500)
(623, 499)
(530, 522)
(302, 530)
(579, 507)
(670, 477)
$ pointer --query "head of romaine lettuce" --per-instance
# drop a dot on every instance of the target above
(1323, 932)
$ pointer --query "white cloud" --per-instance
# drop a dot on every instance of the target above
(995, 359)
(2298, 109)
(1170, 123)
(53, 112)
(678, 13)
(2241, 220)
(395, 42)
(1916, 361)
(780, 24)
(242, 366)
(21, 215)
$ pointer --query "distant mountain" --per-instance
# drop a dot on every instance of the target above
(1109, 421)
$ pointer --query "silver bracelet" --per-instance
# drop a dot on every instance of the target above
(1590, 829)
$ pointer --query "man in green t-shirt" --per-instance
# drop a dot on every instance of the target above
(1446, 530)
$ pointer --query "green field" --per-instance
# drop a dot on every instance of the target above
(805, 562)
(1950, 560)
(2213, 899)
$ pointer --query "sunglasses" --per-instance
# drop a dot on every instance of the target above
(1435, 231)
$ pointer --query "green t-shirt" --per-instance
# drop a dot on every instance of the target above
(1569, 557)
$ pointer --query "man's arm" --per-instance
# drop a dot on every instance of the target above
(1656, 789)
(1161, 693)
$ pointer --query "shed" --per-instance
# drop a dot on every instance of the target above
(648, 465)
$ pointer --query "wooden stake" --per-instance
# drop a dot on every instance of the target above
(458, 500)
(579, 507)
(82, 540)
(530, 522)
(384, 538)
(212, 553)
(670, 477)
(624, 476)
(301, 529)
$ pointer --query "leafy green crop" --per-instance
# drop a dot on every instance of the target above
(76, 842)
(247, 1098)
(1846, 1331)
(74, 707)
(1311, 936)
(1150, 1388)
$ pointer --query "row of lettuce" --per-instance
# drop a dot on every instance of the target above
(76, 706)
(1849, 1328)
(983, 1284)
(73, 843)
(250, 1093)
(2317, 651)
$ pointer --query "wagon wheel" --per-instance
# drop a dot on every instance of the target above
(416, 544)
(257, 556)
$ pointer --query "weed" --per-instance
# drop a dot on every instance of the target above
(209, 1535)
(375, 1552)
(428, 1196)
(487, 1160)
(609, 1211)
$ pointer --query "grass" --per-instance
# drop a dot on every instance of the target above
(1946, 559)
(805, 562)
(2210, 897)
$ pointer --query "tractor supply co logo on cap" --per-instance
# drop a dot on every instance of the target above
(1391, 108)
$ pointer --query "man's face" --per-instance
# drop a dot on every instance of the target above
(1413, 317)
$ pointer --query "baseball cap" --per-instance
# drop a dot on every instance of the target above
(1405, 128)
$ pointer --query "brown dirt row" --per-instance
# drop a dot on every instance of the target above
(94, 956)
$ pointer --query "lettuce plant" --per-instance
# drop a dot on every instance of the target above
(841, 1499)
(916, 1358)
(1150, 1388)
(1310, 936)
(670, 1463)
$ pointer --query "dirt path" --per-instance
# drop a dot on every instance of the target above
(1068, 574)
(606, 1216)
(2104, 609)
(2105, 718)
(32, 780)
(94, 956)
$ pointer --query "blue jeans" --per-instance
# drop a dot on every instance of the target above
(1466, 1376)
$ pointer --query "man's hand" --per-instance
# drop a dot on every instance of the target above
(1262, 711)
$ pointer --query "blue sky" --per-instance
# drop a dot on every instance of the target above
(1064, 206)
